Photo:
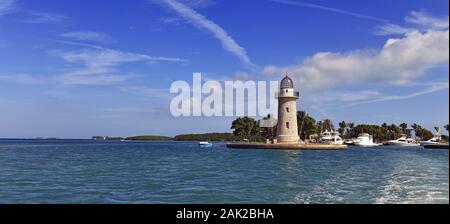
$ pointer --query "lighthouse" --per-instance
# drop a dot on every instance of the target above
(287, 128)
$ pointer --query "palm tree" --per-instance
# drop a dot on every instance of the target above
(422, 133)
(350, 127)
(405, 130)
(320, 127)
(343, 129)
(395, 131)
(307, 125)
(437, 129)
(246, 127)
(301, 115)
(403, 126)
(328, 124)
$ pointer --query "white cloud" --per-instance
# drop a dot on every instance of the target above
(11, 6)
(101, 66)
(338, 99)
(398, 62)
(434, 87)
(427, 21)
(343, 96)
(43, 18)
(89, 76)
(147, 92)
(88, 36)
(325, 8)
(198, 3)
(392, 29)
(23, 79)
(202, 22)
(417, 21)
(7, 6)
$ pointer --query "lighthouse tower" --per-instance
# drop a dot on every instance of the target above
(287, 128)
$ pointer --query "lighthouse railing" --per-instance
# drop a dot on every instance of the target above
(288, 94)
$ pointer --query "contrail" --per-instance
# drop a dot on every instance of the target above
(321, 7)
(218, 32)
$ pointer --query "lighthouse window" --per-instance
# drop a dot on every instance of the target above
(287, 109)
(287, 125)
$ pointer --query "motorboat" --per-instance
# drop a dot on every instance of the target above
(349, 142)
(205, 144)
(436, 140)
(326, 136)
(332, 138)
(404, 142)
(364, 140)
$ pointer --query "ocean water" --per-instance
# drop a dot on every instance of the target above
(82, 171)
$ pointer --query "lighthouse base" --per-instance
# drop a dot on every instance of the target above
(288, 139)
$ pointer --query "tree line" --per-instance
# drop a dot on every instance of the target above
(249, 129)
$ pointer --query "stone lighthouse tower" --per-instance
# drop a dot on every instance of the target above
(287, 128)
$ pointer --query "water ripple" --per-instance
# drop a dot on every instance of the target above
(180, 172)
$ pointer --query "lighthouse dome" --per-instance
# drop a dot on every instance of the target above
(287, 83)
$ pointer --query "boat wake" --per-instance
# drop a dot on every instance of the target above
(341, 188)
(408, 185)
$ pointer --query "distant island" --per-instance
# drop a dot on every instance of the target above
(207, 136)
(248, 129)
(107, 138)
(186, 137)
(149, 138)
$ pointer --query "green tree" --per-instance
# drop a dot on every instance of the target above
(403, 126)
(246, 128)
(327, 124)
(350, 127)
(447, 127)
(421, 132)
(343, 129)
(379, 133)
(405, 130)
(206, 136)
(319, 126)
(394, 131)
(307, 125)
(301, 115)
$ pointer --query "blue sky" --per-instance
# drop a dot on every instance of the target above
(74, 69)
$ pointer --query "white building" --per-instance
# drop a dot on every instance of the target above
(287, 128)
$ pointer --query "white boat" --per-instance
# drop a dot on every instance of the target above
(404, 142)
(364, 140)
(436, 140)
(350, 142)
(205, 145)
(433, 141)
(326, 136)
(332, 138)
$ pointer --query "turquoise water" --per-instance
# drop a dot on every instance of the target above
(81, 171)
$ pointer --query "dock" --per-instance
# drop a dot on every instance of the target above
(317, 147)
(437, 146)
